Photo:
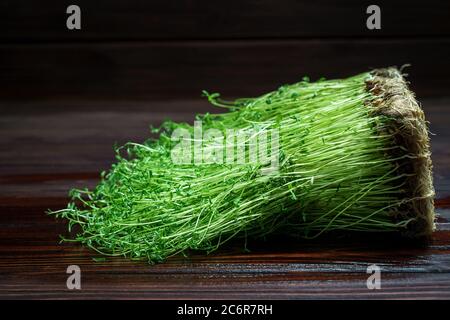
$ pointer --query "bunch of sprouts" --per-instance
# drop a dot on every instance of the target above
(340, 161)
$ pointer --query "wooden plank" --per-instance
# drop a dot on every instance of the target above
(45, 150)
(33, 265)
(183, 69)
(161, 19)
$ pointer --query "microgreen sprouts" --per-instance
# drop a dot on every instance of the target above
(335, 172)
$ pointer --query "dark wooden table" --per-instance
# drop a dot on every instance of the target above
(47, 148)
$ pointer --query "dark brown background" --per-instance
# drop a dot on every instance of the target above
(67, 96)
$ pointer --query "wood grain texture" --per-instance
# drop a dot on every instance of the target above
(45, 150)
(184, 19)
(175, 70)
